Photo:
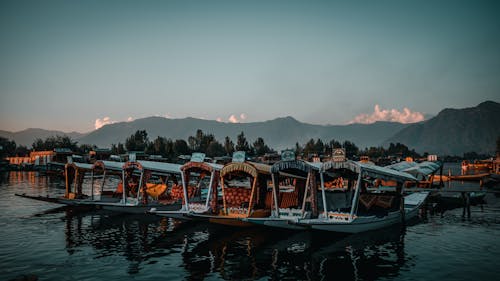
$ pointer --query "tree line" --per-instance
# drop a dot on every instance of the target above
(208, 144)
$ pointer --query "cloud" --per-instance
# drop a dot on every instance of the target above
(101, 122)
(234, 119)
(393, 115)
(130, 119)
(218, 119)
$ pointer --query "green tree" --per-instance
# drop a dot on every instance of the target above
(181, 148)
(260, 147)
(7, 147)
(55, 142)
(242, 143)
(137, 141)
(215, 149)
(228, 146)
(350, 149)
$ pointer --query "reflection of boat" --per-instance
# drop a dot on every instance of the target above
(200, 198)
(290, 206)
(238, 201)
(474, 177)
(362, 206)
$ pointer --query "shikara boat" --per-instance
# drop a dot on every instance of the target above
(360, 204)
(197, 196)
(143, 185)
(76, 174)
(244, 191)
(294, 193)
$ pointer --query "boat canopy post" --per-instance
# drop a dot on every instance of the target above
(251, 196)
(209, 194)
(184, 190)
(275, 195)
(305, 192)
(139, 187)
(356, 195)
(124, 193)
(223, 196)
(67, 182)
(323, 195)
(104, 180)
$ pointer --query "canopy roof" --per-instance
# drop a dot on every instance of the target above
(110, 165)
(295, 164)
(369, 169)
(81, 166)
(202, 165)
(160, 167)
(254, 169)
(416, 169)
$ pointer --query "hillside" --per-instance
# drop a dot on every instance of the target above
(455, 131)
(26, 137)
(278, 133)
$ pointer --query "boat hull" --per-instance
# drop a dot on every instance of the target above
(276, 222)
(135, 209)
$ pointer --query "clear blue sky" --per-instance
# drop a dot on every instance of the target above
(64, 64)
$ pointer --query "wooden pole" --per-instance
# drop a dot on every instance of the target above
(251, 196)
(223, 195)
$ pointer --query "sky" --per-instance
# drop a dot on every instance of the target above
(77, 65)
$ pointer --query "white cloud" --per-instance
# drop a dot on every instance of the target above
(393, 115)
(101, 122)
(130, 119)
(233, 119)
(218, 119)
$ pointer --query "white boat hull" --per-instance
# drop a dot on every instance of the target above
(367, 223)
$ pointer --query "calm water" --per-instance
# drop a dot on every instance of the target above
(55, 243)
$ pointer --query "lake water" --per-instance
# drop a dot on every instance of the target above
(55, 243)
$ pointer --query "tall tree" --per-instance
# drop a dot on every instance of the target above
(215, 149)
(181, 147)
(242, 143)
(260, 147)
(137, 141)
(228, 146)
(7, 147)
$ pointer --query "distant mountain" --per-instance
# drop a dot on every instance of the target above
(455, 131)
(28, 136)
(279, 133)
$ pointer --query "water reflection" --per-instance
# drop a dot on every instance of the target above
(207, 251)
(257, 253)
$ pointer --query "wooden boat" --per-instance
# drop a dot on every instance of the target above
(361, 206)
(75, 174)
(244, 187)
(474, 177)
(134, 195)
(197, 197)
(293, 195)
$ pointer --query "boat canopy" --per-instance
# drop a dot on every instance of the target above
(295, 164)
(202, 165)
(80, 166)
(254, 169)
(160, 167)
(369, 169)
(423, 169)
(110, 165)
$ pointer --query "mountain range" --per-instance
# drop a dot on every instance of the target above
(451, 132)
